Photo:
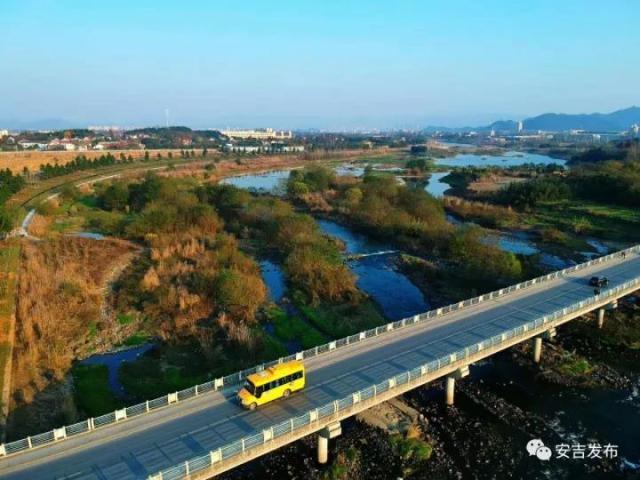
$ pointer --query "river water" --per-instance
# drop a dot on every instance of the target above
(113, 361)
(435, 186)
(274, 279)
(397, 296)
(578, 415)
(272, 182)
(508, 159)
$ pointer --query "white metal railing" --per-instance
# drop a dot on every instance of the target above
(270, 434)
(235, 378)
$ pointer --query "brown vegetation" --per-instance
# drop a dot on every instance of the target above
(60, 296)
(40, 225)
(493, 182)
(195, 278)
(484, 213)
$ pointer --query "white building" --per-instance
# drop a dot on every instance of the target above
(64, 144)
(29, 145)
(260, 134)
(291, 148)
(520, 126)
(230, 147)
(4, 133)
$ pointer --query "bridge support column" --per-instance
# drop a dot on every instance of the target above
(600, 317)
(451, 386)
(323, 449)
(537, 349)
(330, 431)
(451, 382)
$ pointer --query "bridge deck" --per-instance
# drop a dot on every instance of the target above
(144, 445)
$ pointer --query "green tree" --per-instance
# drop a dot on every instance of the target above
(6, 221)
(115, 197)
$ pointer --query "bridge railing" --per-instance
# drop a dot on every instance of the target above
(244, 445)
(221, 383)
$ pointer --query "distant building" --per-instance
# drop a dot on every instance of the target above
(230, 147)
(286, 148)
(4, 133)
(64, 144)
(520, 126)
(121, 145)
(30, 145)
(635, 129)
(260, 134)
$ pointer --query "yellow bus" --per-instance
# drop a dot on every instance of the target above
(273, 383)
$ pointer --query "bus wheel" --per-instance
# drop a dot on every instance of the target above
(253, 406)
(286, 393)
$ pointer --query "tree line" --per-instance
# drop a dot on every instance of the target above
(612, 182)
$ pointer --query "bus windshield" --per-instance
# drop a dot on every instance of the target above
(250, 387)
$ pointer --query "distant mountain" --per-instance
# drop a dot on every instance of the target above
(558, 122)
(594, 122)
(502, 126)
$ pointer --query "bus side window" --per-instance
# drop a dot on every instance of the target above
(259, 391)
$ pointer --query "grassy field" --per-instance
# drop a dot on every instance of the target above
(9, 261)
(293, 329)
(605, 221)
(91, 390)
(337, 321)
(35, 193)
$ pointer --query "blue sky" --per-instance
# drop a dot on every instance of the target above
(324, 64)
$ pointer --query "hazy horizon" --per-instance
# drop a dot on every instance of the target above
(331, 66)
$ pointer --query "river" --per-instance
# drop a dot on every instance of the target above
(272, 182)
(435, 186)
(507, 159)
(113, 361)
(373, 264)
(391, 290)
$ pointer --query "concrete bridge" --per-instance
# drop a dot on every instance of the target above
(200, 432)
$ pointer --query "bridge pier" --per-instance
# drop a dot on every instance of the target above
(330, 431)
(537, 349)
(451, 383)
(600, 317)
(451, 386)
(323, 449)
